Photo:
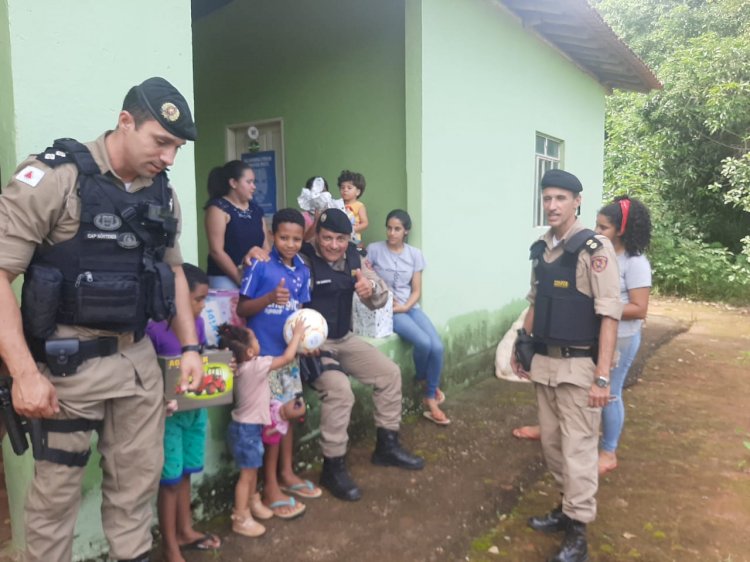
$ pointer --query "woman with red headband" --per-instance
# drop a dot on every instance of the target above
(626, 222)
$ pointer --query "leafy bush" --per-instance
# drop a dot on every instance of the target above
(684, 265)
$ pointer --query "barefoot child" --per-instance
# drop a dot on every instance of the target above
(184, 441)
(251, 412)
(270, 292)
(352, 187)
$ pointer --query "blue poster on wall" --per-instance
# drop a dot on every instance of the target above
(264, 165)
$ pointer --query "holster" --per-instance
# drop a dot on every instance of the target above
(524, 349)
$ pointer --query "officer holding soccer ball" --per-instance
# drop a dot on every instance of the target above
(337, 272)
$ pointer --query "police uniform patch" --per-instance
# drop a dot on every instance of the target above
(107, 221)
(128, 240)
(170, 112)
(599, 263)
(30, 176)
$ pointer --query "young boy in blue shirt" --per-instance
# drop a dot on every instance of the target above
(269, 293)
(184, 440)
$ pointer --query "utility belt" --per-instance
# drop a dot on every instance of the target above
(64, 356)
(564, 352)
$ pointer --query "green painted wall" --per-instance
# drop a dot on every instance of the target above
(488, 86)
(64, 69)
(334, 71)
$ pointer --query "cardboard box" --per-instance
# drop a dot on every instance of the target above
(372, 323)
(216, 388)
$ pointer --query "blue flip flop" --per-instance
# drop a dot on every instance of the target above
(304, 489)
(297, 508)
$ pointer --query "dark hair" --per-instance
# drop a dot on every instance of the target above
(287, 215)
(236, 339)
(133, 105)
(402, 216)
(218, 178)
(357, 179)
(309, 182)
(637, 235)
(194, 275)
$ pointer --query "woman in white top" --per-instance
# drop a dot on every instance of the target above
(626, 222)
(400, 265)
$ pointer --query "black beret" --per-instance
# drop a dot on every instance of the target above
(561, 179)
(335, 220)
(168, 106)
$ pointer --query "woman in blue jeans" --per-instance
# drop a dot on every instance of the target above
(400, 265)
(626, 222)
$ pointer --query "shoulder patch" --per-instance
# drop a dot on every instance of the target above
(30, 176)
(599, 263)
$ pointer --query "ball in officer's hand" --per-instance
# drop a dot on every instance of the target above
(316, 329)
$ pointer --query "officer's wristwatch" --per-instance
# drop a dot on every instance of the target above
(194, 347)
(601, 382)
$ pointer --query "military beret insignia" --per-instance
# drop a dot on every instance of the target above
(170, 112)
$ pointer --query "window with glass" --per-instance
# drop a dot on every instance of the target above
(548, 157)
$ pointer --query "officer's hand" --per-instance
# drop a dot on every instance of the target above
(34, 396)
(362, 285)
(280, 295)
(516, 367)
(191, 371)
(256, 253)
(598, 397)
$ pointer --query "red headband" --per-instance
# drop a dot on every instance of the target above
(625, 208)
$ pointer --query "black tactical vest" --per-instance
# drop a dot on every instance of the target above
(332, 290)
(110, 275)
(562, 314)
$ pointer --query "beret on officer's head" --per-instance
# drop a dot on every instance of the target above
(562, 180)
(336, 221)
(167, 105)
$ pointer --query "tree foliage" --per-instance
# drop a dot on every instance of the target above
(684, 149)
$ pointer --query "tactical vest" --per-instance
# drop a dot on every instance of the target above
(332, 290)
(110, 275)
(563, 315)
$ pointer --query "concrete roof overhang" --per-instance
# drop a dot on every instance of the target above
(578, 31)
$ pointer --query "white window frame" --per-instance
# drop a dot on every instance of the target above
(542, 163)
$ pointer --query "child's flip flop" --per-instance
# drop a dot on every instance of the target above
(297, 508)
(304, 489)
(427, 414)
(206, 542)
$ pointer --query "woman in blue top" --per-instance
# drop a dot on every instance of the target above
(234, 224)
(626, 222)
(400, 265)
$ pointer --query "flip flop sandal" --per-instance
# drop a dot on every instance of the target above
(439, 397)
(201, 543)
(298, 508)
(427, 414)
(304, 489)
(525, 433)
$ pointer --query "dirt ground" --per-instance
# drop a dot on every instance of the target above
(681, 493)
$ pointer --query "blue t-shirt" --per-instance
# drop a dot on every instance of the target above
(165, 340)
(244, 231)
(261, 278)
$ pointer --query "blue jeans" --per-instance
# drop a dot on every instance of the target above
(416, 328)
(613, 414)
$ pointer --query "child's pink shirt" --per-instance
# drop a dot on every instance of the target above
(252, 393)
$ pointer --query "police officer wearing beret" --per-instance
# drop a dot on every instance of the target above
(337, 272)
(572, 320)
(93, 228)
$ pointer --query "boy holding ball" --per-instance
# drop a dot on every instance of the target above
(269, 293)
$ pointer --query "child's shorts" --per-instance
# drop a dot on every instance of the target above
(246, 444)
(184, 445)
(285, 382)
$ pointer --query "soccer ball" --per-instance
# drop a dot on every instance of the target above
(316, 329)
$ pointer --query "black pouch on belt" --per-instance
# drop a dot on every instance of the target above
(63, 356)
(161, 293)
(40, 300)
(524, 349)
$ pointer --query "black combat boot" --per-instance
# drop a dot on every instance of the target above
(574, 548)
(552, 522)
(388, 452)
(335, 478)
